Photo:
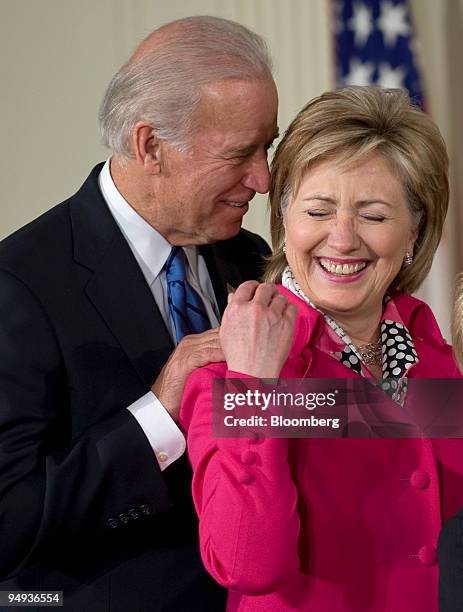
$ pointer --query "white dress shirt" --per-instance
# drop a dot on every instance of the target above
(151, 251)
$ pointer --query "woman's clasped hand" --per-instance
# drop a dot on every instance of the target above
(257, 330)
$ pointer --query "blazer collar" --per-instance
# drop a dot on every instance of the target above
(309, 323)
(436, 359)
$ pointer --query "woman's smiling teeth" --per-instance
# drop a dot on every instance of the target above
(342, 269)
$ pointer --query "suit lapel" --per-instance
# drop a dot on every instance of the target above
(222, 272)
(117, 287)
(121, 295)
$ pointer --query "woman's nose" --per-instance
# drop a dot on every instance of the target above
(343, 236)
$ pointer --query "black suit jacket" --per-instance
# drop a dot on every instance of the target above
(84, 507)
(451, 565)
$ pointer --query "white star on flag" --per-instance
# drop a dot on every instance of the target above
(391, 78)
(361, 23)
(392, 22)
(359, 73)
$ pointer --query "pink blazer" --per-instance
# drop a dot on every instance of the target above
(325, 525)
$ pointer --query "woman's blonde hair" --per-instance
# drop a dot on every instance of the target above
(457, 321)
(347, 125)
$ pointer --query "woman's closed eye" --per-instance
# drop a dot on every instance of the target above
(373, 217)
(376, 212)
(318, 213)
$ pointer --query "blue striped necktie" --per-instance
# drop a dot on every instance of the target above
(185, 305)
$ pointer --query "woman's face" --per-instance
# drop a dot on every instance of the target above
(347, 231)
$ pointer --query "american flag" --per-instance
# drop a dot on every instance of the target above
(375, 45)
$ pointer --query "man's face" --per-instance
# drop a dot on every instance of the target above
(202, 194)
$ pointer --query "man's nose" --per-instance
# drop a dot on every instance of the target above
(257, 177)
(343, 236)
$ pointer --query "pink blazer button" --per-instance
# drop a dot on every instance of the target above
(420, 479)
(245, 478)
(248, 457)
(427, 555)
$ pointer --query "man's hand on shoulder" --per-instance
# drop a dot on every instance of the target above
(191, 352)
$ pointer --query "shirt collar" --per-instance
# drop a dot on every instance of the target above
(149, 247)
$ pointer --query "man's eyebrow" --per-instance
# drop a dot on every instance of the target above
(244, 150)
(250, 148)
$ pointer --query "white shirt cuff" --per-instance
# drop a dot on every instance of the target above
(166, 439)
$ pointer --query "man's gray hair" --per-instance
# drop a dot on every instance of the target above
(162, 85)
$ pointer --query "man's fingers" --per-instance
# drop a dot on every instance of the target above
(192, 340)
(205, 356)
(210, 332)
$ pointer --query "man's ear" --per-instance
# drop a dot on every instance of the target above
(147, 148)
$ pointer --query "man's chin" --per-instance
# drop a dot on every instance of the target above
(207, 236)
(222, 233)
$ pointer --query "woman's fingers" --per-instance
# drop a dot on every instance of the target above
(257, 330)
